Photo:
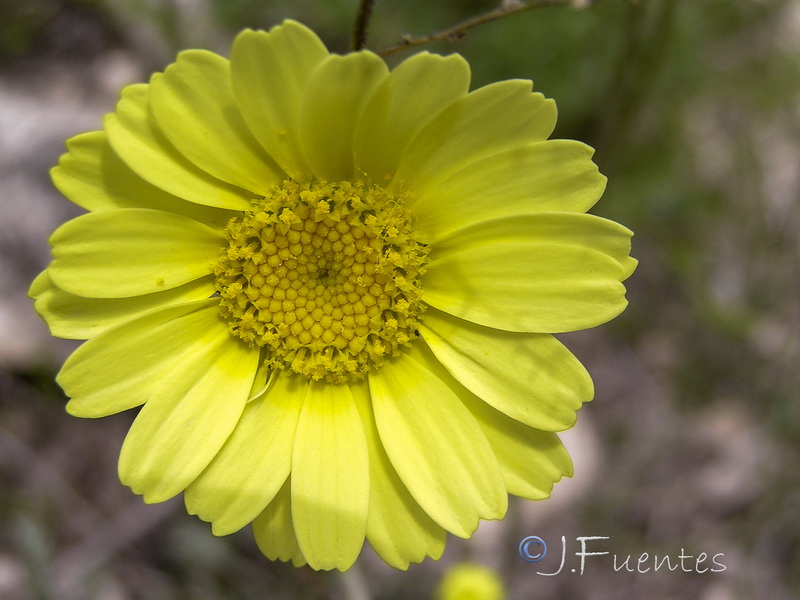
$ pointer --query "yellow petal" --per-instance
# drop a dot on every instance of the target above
(549, 176)
(255, 461)
(194, 106)
(436, 447)
(330, 478)
(488, 120)
(530, 460)
(274, 531)
(527, 286)
(75, 317)
(568, 229)
(332, 103)
(137, 140)
(413, 93)
(269, 72)
(130, 252)
(531, 377)
(128, 364)
(191, 412)
(397, 527)
(92, 176)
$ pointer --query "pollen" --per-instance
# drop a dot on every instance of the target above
(325, 277)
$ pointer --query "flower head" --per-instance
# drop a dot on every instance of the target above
(332, 288)
(470, 581)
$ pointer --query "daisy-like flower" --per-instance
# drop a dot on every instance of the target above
(470, 581)
(333, 289)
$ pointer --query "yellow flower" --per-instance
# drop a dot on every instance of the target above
(468, 581)
(333, 289)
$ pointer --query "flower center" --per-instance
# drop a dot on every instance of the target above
(323, 276)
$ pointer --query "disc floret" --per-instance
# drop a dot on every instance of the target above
(324, 276)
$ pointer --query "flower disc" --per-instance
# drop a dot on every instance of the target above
(326, 276)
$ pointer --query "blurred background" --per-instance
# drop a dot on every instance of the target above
(692, 444)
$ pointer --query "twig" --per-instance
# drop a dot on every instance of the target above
(459, 30)
(362, 23)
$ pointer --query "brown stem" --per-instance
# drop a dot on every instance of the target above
(459, 30)
(362, 23)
